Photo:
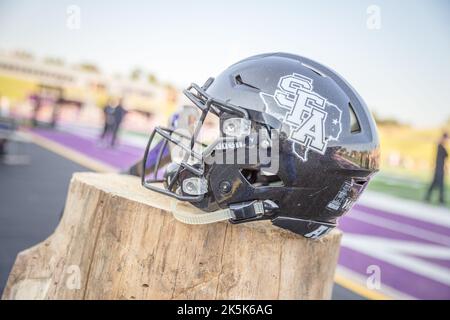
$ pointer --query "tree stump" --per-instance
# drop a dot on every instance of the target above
(117, 240)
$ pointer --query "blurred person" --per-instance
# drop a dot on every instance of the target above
(57, 104)
(37, 104)
(3, 142)
(119, 113)
(439, 171)
(108, 111)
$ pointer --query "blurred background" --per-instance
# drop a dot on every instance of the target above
(62, 62)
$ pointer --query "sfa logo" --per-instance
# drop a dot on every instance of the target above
(312, 120)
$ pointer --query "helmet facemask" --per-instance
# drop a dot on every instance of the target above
(178, 159)
(182, 145)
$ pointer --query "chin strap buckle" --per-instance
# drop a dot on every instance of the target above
(253, 210)
(236, 213)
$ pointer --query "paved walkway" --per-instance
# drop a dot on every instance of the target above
(391, 247)
(31, 201)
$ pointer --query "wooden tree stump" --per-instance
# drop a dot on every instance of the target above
(118, 240)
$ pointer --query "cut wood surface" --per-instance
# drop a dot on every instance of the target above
(117, 240)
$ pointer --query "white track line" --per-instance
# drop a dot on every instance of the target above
(403, 254)
(406, 208)
(400, 227)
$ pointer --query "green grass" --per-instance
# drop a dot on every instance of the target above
(137, 133)
(410, 179)
(405, 187)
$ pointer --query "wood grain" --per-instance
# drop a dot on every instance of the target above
(117, 240)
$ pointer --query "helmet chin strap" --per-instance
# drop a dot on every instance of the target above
(241, 212)
(200, 218)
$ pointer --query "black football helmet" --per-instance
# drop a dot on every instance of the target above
(297, 145)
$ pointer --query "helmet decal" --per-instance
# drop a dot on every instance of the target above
(312, 119)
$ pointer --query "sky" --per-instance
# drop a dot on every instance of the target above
(396, 54)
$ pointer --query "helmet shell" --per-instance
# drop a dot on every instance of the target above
(317, 186)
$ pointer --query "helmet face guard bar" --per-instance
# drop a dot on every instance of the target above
(151, 182)
(204, 101)
(206, 104)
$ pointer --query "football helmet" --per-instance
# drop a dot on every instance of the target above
(296, 144)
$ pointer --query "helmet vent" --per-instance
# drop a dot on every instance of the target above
(257, 179)
(241, 82)
(360, 182)
(320, 74)
(355, 127)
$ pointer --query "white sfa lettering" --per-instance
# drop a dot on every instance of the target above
(313, 120)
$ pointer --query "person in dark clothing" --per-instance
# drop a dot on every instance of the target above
(439, 171)
(114, 113)
(108, 112)
(37, 104)
(118, 115)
